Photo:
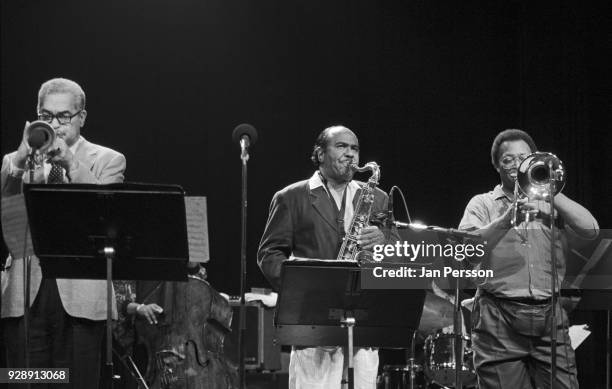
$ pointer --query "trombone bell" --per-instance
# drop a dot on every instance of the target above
(533, 178)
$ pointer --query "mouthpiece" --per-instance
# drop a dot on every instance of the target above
(53, 153)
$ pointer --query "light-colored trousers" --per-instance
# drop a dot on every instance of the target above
(325, 367)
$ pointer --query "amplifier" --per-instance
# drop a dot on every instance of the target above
(260, 352)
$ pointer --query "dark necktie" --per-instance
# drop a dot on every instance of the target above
(56, 174)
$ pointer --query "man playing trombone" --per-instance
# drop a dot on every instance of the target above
(66, 320)
(511, 335)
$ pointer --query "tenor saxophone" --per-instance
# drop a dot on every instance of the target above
(350, 249)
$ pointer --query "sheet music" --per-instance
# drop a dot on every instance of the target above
(578, 333)
(197, 228)
(269, 300)
(14, 225)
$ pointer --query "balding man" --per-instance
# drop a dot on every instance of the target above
(308, 219)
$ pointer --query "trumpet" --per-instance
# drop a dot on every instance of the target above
(40, 136)
(538, 175)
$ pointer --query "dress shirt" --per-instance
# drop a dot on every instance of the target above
(521, 270)
(352, 188)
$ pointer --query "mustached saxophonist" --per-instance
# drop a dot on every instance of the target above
(309, 219)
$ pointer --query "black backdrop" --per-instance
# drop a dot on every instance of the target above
(425, 85)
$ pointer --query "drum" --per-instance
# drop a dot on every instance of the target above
(440, 360)
(398, 377)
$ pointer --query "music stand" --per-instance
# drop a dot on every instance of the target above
(317, 298)
(140, 229)
(590, 271)
(600, 300)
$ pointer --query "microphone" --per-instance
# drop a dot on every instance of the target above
(246, 134)
(445, 231)
(402, 225)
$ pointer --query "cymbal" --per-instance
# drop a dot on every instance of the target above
(437, 313)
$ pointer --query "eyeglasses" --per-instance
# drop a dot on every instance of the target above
(509, 161)
(62, 117)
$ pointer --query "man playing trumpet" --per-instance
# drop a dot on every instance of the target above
(61, 103)
(511, 336)
(66, 321)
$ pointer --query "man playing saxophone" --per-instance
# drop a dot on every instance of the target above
(511, 336)
(309, 219)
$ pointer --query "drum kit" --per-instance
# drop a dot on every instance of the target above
(434, 367)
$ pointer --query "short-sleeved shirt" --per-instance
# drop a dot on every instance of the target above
(520, 269)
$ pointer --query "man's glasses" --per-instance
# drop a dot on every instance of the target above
(62, 117)
(509, 161)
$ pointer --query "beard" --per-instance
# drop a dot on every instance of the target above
(345, 173)
(339, 173)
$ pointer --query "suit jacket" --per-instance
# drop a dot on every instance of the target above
(302, 223)
(80, 298)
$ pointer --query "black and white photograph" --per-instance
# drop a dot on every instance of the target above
(343, 194)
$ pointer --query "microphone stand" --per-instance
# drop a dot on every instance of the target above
(452, 235)
(411, 359)
(457, 327)
(244, 156)
(27, 266)
(553, 276)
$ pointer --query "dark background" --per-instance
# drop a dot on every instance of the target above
(425, 85)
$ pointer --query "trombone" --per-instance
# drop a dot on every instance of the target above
(539, 175)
